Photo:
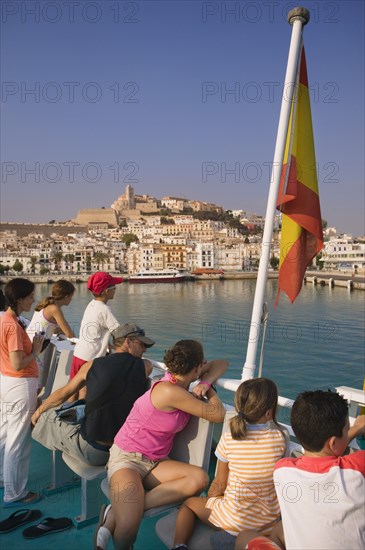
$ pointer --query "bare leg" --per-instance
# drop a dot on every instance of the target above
(127, 499)
(169, 482)
(192, 508)
(244, 537)
(172, 481)
(277, 535)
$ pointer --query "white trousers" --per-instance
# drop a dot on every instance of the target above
(18, 399)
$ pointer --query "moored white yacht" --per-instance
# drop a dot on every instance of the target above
(158, 276)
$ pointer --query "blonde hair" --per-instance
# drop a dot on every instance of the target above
(60, 290)
(252, 400)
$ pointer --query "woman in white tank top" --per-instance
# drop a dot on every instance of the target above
(48, 316)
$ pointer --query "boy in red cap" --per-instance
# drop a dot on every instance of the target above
(98, 321)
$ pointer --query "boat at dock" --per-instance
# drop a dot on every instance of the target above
(162, 276)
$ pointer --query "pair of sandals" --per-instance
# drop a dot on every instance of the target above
(45, 527)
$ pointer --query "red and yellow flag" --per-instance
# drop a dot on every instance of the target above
(298, 200)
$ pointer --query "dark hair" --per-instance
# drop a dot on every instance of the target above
(2, 301)
(316, 416)
(252, 400)
(60, 290)
(17, 289)
(184, 356)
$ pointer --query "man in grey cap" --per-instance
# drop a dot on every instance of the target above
(113, 384)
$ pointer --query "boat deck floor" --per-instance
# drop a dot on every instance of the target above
(63, 504)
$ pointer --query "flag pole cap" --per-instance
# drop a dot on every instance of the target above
(299, 13)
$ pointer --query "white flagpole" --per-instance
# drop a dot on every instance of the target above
(298, 17)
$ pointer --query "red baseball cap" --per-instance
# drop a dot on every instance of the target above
(101, 281)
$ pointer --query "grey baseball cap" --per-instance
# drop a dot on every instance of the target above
(131, 329)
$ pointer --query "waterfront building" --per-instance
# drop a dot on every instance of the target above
(230, 256)
(9, 258)
(205, 255)
(343, 254)
(187, 245)
(141, 257)
(172, 241)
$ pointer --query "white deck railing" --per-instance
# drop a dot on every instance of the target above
(355, 397)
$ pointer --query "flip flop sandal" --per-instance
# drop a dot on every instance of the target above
(30, 498)
(47, 527)
(102, 534)
(18, 518)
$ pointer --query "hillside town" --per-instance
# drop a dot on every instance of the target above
(140, 232)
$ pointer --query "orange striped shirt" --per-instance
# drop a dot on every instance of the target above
(249, 501)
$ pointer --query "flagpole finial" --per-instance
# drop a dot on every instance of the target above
(299, 13)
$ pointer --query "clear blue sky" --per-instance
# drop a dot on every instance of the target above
(139, 87)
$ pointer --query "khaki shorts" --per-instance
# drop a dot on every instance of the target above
(119, 459)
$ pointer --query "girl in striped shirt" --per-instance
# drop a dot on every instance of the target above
(242, 495)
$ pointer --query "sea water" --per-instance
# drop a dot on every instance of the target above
(317, 342)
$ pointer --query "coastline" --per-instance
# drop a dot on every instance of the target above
(330, 278)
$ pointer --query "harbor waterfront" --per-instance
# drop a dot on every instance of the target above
(334, 278)
(317, 342)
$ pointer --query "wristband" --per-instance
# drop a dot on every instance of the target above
(206, 383)
(35, 356)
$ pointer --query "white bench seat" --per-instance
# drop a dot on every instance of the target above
(83, 469)
(203, 538)
(92, 497)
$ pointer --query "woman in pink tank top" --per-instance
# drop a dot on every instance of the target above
(141, 475)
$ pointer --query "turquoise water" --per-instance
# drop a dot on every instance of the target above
(317, 342)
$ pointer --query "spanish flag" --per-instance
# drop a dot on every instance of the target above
(298, 199)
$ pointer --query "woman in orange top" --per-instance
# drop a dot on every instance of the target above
(18, 393)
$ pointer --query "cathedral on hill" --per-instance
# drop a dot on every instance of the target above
(130, 205)
(126, 201)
